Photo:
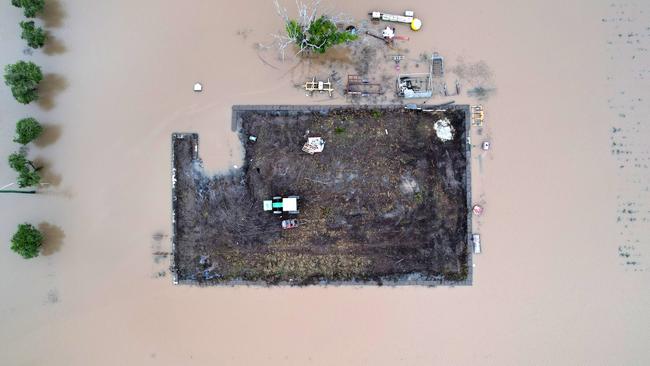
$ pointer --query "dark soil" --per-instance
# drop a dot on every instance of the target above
(374, 206)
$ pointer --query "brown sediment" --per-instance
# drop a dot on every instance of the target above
(560, 280)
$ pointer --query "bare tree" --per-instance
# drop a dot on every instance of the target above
(308, 31)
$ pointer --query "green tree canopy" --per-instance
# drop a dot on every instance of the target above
(28, 178)
(27, 130)
(18, 162)
(27, 173)
(35, 36)
(30, 7)
(27, 241)
(23, 79)
(321, 34)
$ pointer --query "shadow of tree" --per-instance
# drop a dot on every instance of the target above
(52, 238)
(53, 45)
(48, 88)
(53, 14)
(50, 134)
(47, 177)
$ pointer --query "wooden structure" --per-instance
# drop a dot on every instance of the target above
(437, 65)
(319, 86)
(477, 115)
(357, 86)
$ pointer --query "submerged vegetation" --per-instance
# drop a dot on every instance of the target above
(35, 36)
(27, 241)
(27, 130)
(30, 7)
(320, 35)
(308, 32)
(27, 172)
(23, 78)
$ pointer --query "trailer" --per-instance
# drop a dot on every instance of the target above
(358, 86)
(437, 65)
(407, 18)
(319, 86)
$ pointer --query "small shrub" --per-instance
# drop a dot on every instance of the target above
(23, 79)
(339, 130)
(35, 36)
(27, 173)
(27, 241)
(30, 7)
(376, 113)
(418, 197)
(27, 130)
(28, 178)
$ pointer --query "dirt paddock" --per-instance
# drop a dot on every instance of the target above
(386, 201)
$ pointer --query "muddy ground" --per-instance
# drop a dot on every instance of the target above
(385, 201)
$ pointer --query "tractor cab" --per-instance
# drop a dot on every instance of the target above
(281, 205)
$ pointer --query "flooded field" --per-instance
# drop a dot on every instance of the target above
(564, 276)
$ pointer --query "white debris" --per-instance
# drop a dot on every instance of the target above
(476, 239)
(388, 33)
(444, 129)
(409, 185)
(198, 87)
(314, 145)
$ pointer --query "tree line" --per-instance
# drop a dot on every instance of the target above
(23, 79)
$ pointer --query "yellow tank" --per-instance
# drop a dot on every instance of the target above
(416, 24)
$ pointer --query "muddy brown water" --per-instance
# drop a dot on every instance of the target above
(551, 286)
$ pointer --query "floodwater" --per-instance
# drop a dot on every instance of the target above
(564, 277)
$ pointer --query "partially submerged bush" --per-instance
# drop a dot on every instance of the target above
(320, 35)
(27, 241)
(309, 32)
(23, 79)
(27, 130)
(27, 173)
(30, 7)
(35, 36)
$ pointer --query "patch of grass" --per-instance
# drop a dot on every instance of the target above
(326, 211)
(418, 197)
(339, 130)
(376, 113)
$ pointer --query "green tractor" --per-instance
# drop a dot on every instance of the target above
(282, 205)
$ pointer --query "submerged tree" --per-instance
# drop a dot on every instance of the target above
(27, 130)
(28, 178)
(30, 7)
(27, 172)
(35, 36)
(23, 79)
(27, 241)
(308, 32)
